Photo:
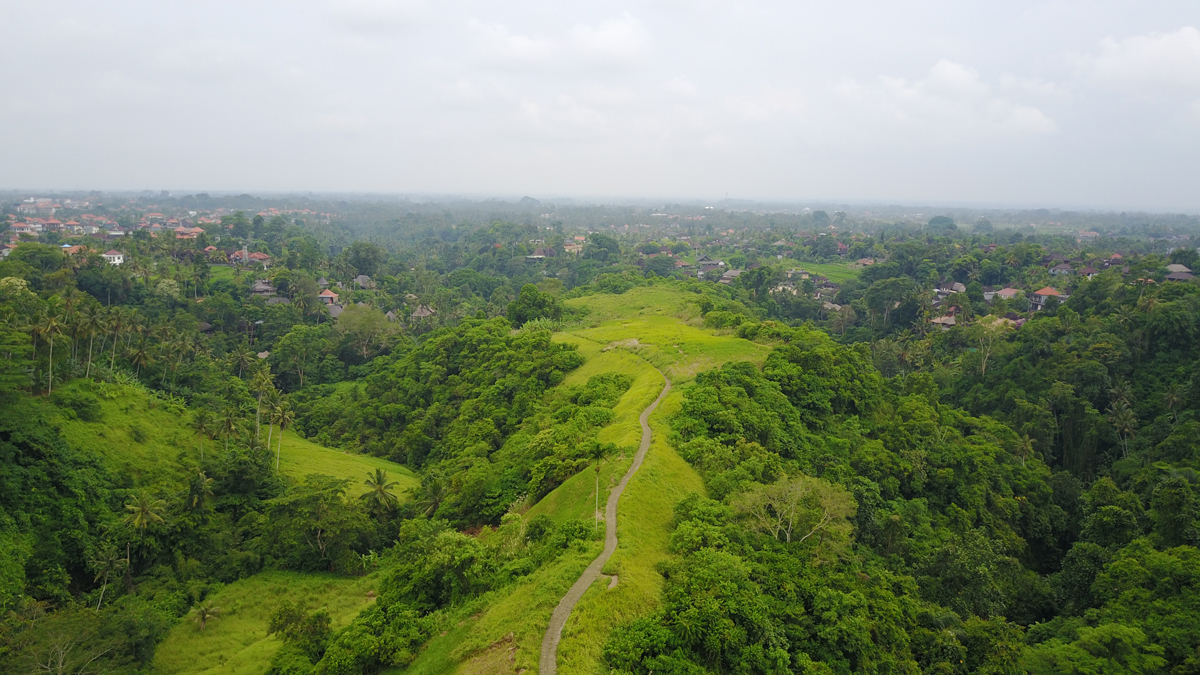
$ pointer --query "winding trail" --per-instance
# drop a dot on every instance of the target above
(548, 665)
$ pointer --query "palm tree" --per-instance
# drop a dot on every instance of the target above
(261, 383)
(90, 325)
(142, 511)
(379, 495)
(202, 614)
(274, 402)
(1025, 447)
(48, 326)
(844, 318)
(1172, 398)
(204, 423)
(200, 492)
(243, 358)
(1122, 418)
(108, 561)
(228, 424)
(303, 303)
(117, 323)
(285, 418)
(139, 356)
(433, 492)
(1121, 391)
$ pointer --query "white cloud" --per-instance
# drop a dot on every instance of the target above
(1155, 59)
(600, 94)
(209, 56)
(951, 102)
(375, 16)
(680, 86)
(497, 43)
(1031, 85)
(768, 103)
(621, 39)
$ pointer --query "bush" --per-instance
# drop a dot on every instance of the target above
(723, 319)
(79, 404)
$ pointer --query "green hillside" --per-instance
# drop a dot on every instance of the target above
(236, 642)
(631, 333)
(149, 441)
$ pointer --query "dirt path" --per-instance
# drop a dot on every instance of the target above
(548, 665)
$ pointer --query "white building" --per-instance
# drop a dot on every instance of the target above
(114, 257)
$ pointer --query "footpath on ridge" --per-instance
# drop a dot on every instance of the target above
(548, 664)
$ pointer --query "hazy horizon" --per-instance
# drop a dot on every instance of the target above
(1072, 105)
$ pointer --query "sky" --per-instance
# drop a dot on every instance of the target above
(1047, 104)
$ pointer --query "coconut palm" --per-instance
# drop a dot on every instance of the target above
(202, 614)
(1172, 398)
(243, 357)
(379, 497)
(1025, 447)
(206, 425)
(274, 400)
(1122, 392)
(228, 424)
(260, 384)
(117, 324)
(108, 561)
(432, 493)
(284, 418)
(200, 492)
(139, 356)
(142, 511)
(49, 325)
(91, 324)
(1121, 416)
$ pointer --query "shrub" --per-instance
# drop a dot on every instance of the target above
(81, 404)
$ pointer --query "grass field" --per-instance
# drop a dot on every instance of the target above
(236, 642)
(221, 272)
(837, 272)
(150, 443)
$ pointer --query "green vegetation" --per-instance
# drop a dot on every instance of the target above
(237, 640)
(196, 478)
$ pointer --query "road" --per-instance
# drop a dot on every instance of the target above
(548, 665)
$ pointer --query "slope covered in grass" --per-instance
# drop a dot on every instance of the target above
(149, 441)
(236, 642)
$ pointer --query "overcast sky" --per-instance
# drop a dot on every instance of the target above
(1071, 104)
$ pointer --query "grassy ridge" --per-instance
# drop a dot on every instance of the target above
(236, 642)
(644, 530)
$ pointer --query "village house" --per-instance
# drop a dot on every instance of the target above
(1061, 269)
(114, 257)
(729, 276)
(944, 322)
(328, 297)
(1039, 297)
